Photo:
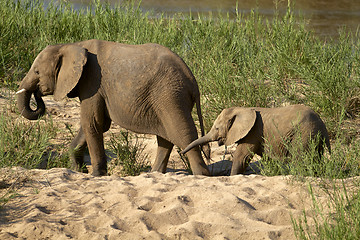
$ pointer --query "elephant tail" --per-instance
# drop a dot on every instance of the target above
(204, 148)
(325, 134)
(201, 121)
(327, 142)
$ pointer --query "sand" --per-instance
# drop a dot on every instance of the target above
(63, 204)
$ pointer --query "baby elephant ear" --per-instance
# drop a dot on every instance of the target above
(70, 67)
(241, 123)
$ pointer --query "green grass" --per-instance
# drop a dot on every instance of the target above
(338, 219)
(253, 61)
(23, 143)
(343, 162)
(246, 61)
(29, 143)
(129, 159)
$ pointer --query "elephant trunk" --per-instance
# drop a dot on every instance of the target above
(200, 141)
(23, 102)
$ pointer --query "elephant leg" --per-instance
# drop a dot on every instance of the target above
(162, 156)
(197, 164)
(95, 142)
(242, 157)
(93, 123)
(77, 148)
(181, 131)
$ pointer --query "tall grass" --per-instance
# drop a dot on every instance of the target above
(130, 159)
(24, 143)
(246, 61)
(343, 162)
(337, 219)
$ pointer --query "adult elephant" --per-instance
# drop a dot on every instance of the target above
(143, 88)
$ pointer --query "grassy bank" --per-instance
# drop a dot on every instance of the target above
(246, 61)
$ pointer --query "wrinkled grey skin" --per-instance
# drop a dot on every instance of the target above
(143, 88)
(255, 129)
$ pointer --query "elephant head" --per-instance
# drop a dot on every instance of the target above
(56, 70)
(230, 126)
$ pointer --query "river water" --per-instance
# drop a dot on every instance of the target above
(325, 16)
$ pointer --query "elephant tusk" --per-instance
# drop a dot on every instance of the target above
(21, 91)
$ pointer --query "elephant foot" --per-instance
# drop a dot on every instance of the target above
(99, 172)
(158, 170)
(200, 171)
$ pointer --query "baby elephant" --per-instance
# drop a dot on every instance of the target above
(255, 129)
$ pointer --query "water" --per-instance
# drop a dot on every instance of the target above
(325, 17)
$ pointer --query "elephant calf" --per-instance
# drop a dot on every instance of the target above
(143, 88)
(254, 128)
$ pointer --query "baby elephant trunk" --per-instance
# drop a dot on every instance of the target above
(200, 141)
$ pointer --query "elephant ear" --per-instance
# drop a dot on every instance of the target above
(240, 125)
(70, 67)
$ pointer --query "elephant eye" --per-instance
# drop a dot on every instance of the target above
(37, 72)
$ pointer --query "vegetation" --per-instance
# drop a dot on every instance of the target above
(341, 222)
(23, 143)
(246, 61)
(130, 160)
